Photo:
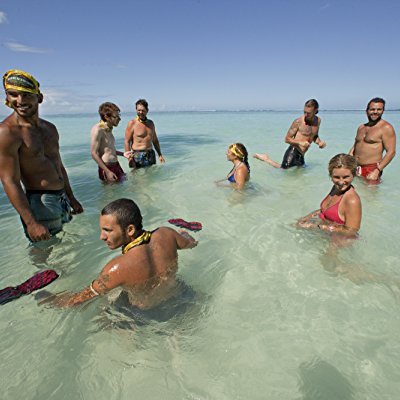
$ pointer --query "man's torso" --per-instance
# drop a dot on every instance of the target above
(158, 263)
(39, 157)
(142, 135)
(107, 150)
(368, 146)
(306, 132)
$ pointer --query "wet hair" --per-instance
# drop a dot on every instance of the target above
(376, 100)
(107, 109)
(143, 103)
(127, 213)
(343, 161)
(244, 151)
(312, 103)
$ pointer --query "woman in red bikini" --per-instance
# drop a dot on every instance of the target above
(340, 211)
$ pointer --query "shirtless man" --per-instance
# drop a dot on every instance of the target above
(29, 154)
(301, 134)
(140, 136)
(372, 139)
(103, 144)
(147, 267)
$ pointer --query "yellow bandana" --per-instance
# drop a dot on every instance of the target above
(236, 151)
(14, 79)
(143, 238)
(143, 121)
(104, 125)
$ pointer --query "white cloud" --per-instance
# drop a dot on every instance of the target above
(3, 17)
(65, 101)
(22, 48)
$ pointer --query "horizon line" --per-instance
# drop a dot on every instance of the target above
(209, 111)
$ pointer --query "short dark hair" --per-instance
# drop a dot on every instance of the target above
(143, 103)
(126, 211)
(106, 109)
(312, 103)
(376, 100)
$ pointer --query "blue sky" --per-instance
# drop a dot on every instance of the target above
(204, 54)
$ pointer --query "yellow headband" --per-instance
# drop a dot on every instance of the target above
(14, 79)
(236, 151)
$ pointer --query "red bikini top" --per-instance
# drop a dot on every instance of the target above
(332, 212)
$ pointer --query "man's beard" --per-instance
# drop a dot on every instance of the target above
(374, 121)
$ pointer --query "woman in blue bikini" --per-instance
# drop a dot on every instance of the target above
(240, 173)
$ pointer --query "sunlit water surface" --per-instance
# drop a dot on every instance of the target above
(271, 318)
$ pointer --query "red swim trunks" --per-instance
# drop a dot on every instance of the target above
(365, 170)
(116, 169)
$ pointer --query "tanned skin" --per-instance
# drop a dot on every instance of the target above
(30, 155)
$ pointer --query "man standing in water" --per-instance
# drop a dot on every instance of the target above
(303, 131)
(29, 154)
(147, 267)
(103, 144)
(140, 136)
(372, 139)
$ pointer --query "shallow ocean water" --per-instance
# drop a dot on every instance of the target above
(271, 320)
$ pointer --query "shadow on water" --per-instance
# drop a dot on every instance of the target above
(181, 311)
(354, 271)
(320, 380)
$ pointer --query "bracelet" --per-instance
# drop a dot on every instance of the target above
(94, 291)
(378, 167)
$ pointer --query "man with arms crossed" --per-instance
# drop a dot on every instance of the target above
(140, 136)
(103, 144)
(301, 134)
(147, 267)
(30, 154)
(372, 139)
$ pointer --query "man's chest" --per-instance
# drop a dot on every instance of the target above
(38, 142)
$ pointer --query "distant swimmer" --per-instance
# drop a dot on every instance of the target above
(240, 173)
(146, 270)
(30, 156)
(301, 134)
(103, 144)
(140, 137)
(373, 139)
(340, 210)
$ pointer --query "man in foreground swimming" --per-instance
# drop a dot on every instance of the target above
(30, 156)
(102, 143)
(372, 140)
(303, 131)
(147, 267)
(140, 137)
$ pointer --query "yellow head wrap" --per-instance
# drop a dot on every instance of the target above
(236, 151)
(15, 79)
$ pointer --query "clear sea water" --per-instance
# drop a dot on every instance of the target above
(272, 321)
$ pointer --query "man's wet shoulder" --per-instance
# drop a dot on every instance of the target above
(9, 128)
(162, 231)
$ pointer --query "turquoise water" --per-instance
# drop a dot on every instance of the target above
(271, 321)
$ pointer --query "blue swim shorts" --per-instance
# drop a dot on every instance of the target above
(50, 208)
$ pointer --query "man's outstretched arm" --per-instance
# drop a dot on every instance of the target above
(109, 278)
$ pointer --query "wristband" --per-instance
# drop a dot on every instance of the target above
(93, 291)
